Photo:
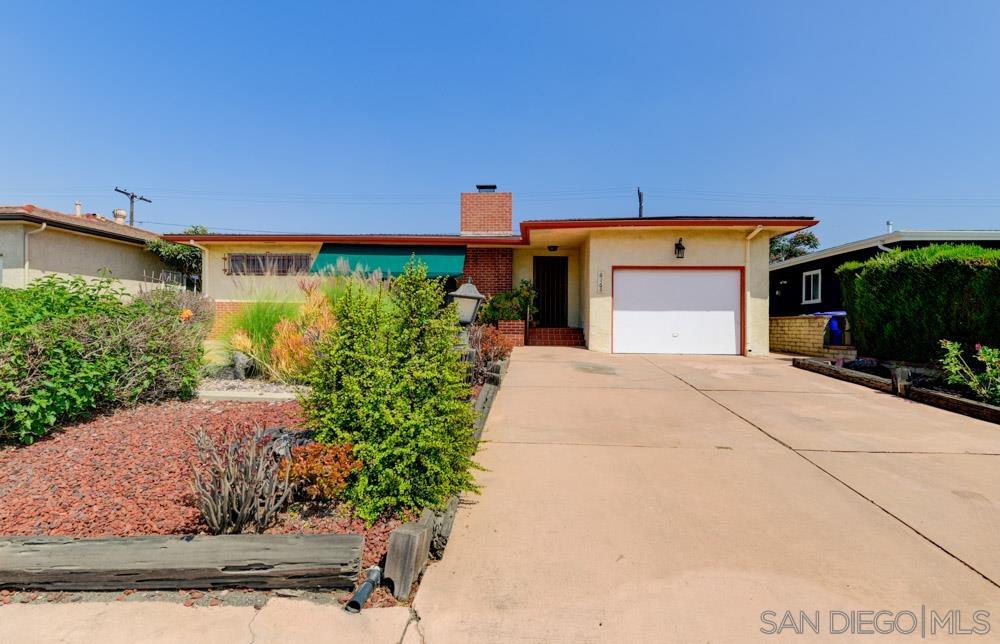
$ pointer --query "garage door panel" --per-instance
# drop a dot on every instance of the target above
(677, 311)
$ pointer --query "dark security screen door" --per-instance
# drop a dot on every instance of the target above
(550, 283)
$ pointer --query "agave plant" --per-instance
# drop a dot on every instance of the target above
(240, 487)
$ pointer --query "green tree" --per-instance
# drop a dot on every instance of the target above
(793, 245)
(182, 258)
(390, 382)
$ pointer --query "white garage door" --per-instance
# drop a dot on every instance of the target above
(676, 311)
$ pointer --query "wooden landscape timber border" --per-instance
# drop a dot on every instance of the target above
(260, 561)
(900, 386)
(410, 544)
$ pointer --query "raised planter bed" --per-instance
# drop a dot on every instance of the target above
(126, 476)
(943, 400)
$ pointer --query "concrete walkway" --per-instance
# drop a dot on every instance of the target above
(661, 499)
(633, 498)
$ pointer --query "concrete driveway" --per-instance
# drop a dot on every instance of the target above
(664, 498)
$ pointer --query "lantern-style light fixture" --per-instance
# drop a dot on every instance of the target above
(467, 299)
(679, 248)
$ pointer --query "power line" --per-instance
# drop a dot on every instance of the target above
(567, 195)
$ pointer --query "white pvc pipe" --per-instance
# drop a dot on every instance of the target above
(27, 262)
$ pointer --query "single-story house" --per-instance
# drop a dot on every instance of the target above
(809, 284)
(35, 242)
(625, 285)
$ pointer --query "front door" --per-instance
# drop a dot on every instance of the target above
(551, 275)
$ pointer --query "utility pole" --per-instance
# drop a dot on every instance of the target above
(131, 203)
(639, 192)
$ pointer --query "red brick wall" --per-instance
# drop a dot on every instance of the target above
(513, 330)
(485, 213)
(491, 269)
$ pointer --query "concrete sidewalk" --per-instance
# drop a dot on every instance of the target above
(633, 498)
(281, 621)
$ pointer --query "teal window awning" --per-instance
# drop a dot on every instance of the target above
(441, 261)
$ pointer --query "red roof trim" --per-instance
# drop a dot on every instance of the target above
(522, 240)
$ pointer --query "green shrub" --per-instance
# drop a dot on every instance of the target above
(984, 380)
(390, 381)
(69, 348)
(902, 303)
(509, 305)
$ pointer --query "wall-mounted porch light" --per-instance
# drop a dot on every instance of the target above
(679, 248)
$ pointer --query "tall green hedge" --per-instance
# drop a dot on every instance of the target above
(901, 304)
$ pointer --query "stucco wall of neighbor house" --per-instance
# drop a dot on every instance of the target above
(704, 247)
(12, 254)
(524, 269)
(60, 252)
(243, 288)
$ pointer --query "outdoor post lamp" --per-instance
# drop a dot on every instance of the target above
(679, 248)
(467, 299)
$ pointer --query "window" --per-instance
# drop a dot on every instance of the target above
(268, 263)
(811, 287)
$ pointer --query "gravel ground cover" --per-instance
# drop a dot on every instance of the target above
(250, 384)
(123, 474)
(128, 474)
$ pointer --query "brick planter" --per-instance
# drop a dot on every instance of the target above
(513, 330)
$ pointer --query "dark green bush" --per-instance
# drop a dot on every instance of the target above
(70, 348)
(509, 305)
(901, 304)
(390, 381)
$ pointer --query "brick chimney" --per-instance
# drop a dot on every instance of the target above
(487, 212)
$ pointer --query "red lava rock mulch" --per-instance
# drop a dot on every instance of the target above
(129, 474)
(124, 474)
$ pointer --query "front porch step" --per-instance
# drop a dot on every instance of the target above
(556, 337)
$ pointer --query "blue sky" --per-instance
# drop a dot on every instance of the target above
(350, 118)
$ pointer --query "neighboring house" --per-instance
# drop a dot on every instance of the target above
(809, 284)
(619, 285)
(803, 287)
(36, 242)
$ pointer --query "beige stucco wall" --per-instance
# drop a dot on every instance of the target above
(12, 254)
(704, 247)
(60, 252)
(240, 288)
(524, 269)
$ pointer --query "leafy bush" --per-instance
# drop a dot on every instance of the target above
(983, 382)
(389, 380)
(70, 348)
(491, 346)
(320, 472)
(241, 486)
(509, 305)
(901, 303)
